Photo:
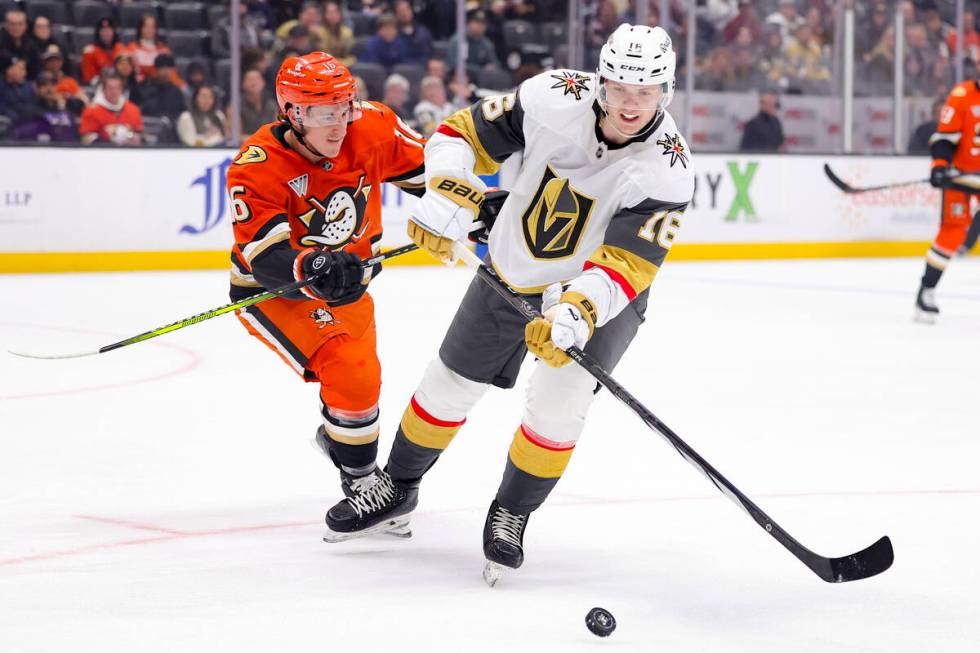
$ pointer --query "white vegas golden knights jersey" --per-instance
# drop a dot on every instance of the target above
(578, 201)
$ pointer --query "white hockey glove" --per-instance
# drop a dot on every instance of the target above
(569, 319)
(446, 212)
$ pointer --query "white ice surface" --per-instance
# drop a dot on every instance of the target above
(164, 497)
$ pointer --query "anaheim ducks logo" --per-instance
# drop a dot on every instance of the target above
(335, 221)
(556, 217)
(322, 317)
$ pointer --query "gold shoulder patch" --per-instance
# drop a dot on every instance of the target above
(253, 154)
(959, 91)
(369, 106)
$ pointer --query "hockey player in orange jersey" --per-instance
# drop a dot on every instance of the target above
(306, 198)
(955, 145)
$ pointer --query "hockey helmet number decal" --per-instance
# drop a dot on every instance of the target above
(556, 217)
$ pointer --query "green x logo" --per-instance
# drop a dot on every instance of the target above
(742, 202)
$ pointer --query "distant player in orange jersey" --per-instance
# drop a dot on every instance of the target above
(306, 198)
(956, 144)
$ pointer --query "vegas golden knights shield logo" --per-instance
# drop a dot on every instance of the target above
(555, 219)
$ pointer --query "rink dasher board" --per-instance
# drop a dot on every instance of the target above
(66, 209)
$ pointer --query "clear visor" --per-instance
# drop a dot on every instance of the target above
(326, 115)
(632, 97)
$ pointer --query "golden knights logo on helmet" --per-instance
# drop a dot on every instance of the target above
(555, 219)
(334, 221)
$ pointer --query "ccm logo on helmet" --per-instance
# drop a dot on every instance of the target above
(456, 188)
(635, 68)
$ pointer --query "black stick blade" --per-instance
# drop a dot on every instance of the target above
(870, 562)
(837, 181)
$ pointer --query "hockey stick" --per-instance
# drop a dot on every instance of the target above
(871, 561)
(965, 183)
(207, 315)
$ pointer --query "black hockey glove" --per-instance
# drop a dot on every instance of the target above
(338, 275)
(492, 203)
(939, 177)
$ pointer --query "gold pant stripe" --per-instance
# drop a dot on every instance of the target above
(420, 432)
(355, 440)
(538, 461)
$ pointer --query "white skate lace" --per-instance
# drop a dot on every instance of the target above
(375, 497)
(507, 526)
(364, 483)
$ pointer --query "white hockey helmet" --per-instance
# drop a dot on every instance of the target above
(637, 54)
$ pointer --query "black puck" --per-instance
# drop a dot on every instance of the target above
(600, 622)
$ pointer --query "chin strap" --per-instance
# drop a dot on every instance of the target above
(302, 141)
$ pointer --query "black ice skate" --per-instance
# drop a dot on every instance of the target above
(383, 508)
(925, 306)
(351, 484)
(503, 542)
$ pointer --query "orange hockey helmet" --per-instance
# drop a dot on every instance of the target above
(310, 88)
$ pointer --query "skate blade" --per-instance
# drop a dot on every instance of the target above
(492, 572)
(924, 317)
(395, 527)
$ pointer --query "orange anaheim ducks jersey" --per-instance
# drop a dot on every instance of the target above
(957, 137)
(282, 203)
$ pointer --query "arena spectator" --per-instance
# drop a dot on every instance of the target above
(16, 92)
(197, 76)
(361, 86)
(970, 37)
(203, 125)
(480, 50)
(260, 60)
(814, 19)
(434, 106)
(309, 17)
(416, 39)
(251, 32)
(599, 27)
(385, 48)
(146, 47)
(717, 13)
(50, 119)
(126, 69)
(746, 18)
(111, 118)
(785, 18)
(396, 96)
(53, 62)
(764, 132)
(936, 31)
(102, 51)
(463, 90)
(807, 58)
(870, 30)
(257, 107)
(436, 67)
(339, 38)
(919, 142)
(881, 61)
(158, 95)
(748, 73)
(15, 41)
(41, 34)
(774, 63)
(298, 42)
(718, 72)
(917, 45)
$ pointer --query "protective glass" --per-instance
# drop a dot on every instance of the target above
(635, 97)
(327, 115)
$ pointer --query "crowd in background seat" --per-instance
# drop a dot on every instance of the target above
(173, 58)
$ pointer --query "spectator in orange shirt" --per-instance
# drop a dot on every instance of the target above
(52, 61)
(146, 46)
(111, 118)
(970, 36)
(102, 51)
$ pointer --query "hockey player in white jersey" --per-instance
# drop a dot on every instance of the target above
(604, 180)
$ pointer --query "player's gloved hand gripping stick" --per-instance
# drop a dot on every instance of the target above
(871, 561)
(307, 280)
